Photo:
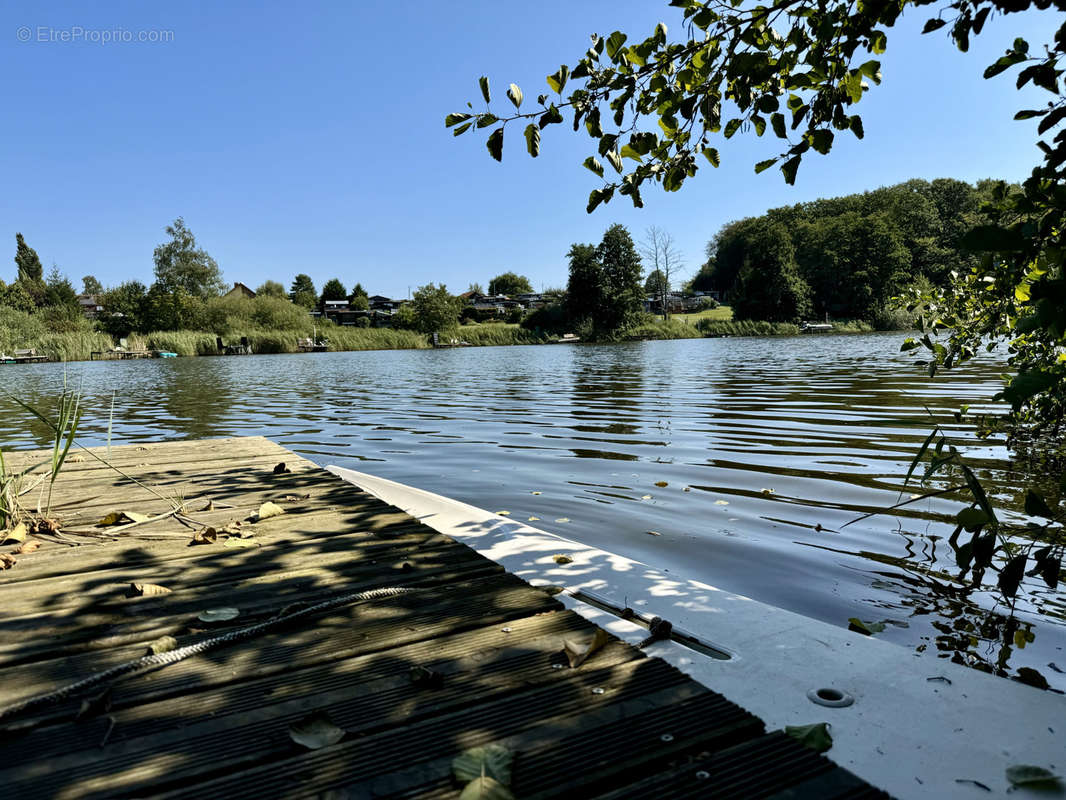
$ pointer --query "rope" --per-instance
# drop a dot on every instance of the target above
(180, 654)
(659, 628)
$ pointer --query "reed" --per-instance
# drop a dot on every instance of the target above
(746, 327)
(498, 334)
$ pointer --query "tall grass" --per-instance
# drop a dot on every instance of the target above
(489, 335)
(746, 327)
(76, 342)
(671, 329)
(184, 343)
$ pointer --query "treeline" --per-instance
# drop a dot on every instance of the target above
(844, 257)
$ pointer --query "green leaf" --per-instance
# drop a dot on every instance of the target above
(558, 80)
(1012, 574)
(218, 614)
(455, 119)
(867, 628)
(462, 129)
(855, 123)
(821, 140)
(872, 70)
(972, 519)
(1030, 113)
(762, 166)
(934, 24)
(992, 238)
(1036, 777)
(878, 42)
(495, 144)
(615, 159)
(485, 788)
(978, 491)
(483, 82)
(628, 152)
(533, 139)
(515, 95)
(984, 547)
(593, 164)
(731, 127)
(712, 155)
(484, 120)
(492, 760)
(815, 736)
(789, 168)
(614, 42)
(777, 122)
(1035, 506)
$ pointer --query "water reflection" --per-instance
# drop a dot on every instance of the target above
(748, 456)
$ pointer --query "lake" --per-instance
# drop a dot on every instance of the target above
(746, 456)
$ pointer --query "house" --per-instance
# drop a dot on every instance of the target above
(90, 306)
(239, 290)
(530, 299)
(381, 303)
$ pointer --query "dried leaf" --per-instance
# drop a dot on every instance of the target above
(578, 652)
(661, 484)
(163, 644)
(504, 513)
(426, 678)
(75, 458)
(316, 731)
(721, 502)
(16, 535)
(122, 518)
(6, 561)
(815, 736)
(485, 788)
(534, 492)
(561, 558)
(146, 590)
(218, 614)
(295, 498)
(281, 469)
(645, 497)
(209, 506)
(653, 533)
(268, 510)
(1027, 775)
(233, 528)
(534, 519)
(491, 761)
(552, 590)
(563, 519)
(206, 536)
(236, 541)
(28, 547)
(867, 628)
(96, 705)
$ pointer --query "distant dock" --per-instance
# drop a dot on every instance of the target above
(469, 655)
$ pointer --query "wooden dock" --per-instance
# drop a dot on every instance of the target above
(474, 657)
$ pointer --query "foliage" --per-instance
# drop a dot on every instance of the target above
(59, 291)
(173, 310)
(434, 308)
(475, 288)
(552, 317)
(125, 308)
(584, 290)
(17, 297)
(504, 334)
(271, 289)
(656, 282)
(768, 285)
(510, 284)
(333, 289)
(623, 295)
(91, 286)
(302, 292)
(181, 266)
(747, 327)
(27, 261)
(673, 328)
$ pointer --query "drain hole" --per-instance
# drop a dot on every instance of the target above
(830, 697)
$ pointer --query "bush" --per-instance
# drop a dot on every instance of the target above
(890, 318)
(747, 327)
(657, 329)
(362, 322)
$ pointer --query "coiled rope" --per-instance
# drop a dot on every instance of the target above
(181, 653)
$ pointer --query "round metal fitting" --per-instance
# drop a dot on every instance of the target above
(831, 698)
(599, 690)
(702, 775)
(506, 630)
(557, 666)
(666, 737)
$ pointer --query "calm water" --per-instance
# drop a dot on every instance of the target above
(766, 448)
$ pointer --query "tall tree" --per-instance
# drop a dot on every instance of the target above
(510, 283)
(584, 290)
(59, 291)
(769, 286)
(434, 308)
(180, 264)
(271, 289)
(27, 261)
(124, 308)
(664, 259)
(91, 286)
(623, 295)
(302, 292)
(333, 289)
(475, 288)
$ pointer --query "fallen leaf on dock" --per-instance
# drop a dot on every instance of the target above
(534, 519)
(578, 652)
(653, 533)
(218, 614)
(206, 536)
(163, 644)
(16, 535)
(96, 705)
(28, 547)
(534, 492)
(76, 458)
(122, 518)
(210, 506)
(485, 788)
(268, 510)
(560, 558)
(281, 469)
(868, 628)
(815, 736)
(491, 761)
(721, 502)
(295, 498)
(504, 513)
(316, 731)
(768, 491)
(661, 484)
(236, 541)
(234, 528)
(6, 561)
(646, 497)
(563, 519)
(552, 590)
(146, 590)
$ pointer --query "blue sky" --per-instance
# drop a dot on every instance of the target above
(310, 137)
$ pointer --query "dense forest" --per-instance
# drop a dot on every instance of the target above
(844, 257)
